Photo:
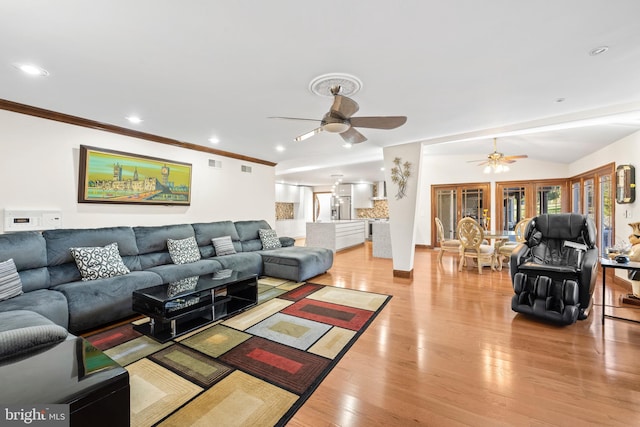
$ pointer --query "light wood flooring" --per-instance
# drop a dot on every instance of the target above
(447, 350)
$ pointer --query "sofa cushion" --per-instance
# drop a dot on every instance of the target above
(269, 239)
(173, 272)
(249, 235)
(48, 303)
(23, 331)
(10, 283)
(205, 232)
(296, 263)
(102, 301)
(62, 267)
(29, 252)
(152, 242)
(244, 262)
(99, 262)
(183, 251)
(223, 246)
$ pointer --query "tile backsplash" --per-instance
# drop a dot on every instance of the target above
(380, 210)
(284, 210)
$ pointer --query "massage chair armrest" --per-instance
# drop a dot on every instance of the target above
(517, 257)
(589, 267)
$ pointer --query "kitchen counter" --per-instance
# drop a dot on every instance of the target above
(381, 239)
(335, 235)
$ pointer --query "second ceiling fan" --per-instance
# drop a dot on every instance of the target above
(339, 120)
(496, 161)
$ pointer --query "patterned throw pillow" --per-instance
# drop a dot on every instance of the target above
(223, 246)
(183, 251)
(99, 262)
(10, 283)
(269, 239)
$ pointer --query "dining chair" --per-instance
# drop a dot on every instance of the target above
(472, 244)
(446, 245)
(504, 250)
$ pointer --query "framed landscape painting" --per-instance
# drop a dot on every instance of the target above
(108, 176)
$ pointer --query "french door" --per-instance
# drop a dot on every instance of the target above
(593, 194)
(516, 200)
(452, 202)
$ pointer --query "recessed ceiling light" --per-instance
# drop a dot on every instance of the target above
(280, 148)
(382, 169)
(598, 50)
(347, 145)
(32, 70)
(134, 119)
(214, 140)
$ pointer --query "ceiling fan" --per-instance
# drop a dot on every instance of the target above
(498, 162)
(339, 120)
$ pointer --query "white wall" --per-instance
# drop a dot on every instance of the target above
(39, 170)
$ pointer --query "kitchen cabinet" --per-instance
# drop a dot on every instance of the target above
(335, 235)
(362, 194)
(286, 193)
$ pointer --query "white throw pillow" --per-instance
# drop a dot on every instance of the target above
(183, 251)
(99, 262)
(10, 283)
(269, 239)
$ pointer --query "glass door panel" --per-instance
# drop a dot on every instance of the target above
(514, 207)
(576, 200)
(606, 213)
(549, 199)
(473, 204)
(589, 198)
(446, 202)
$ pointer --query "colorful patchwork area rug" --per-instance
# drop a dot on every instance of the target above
(253, 369)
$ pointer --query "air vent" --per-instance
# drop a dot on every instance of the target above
(246, 169)
(215, 163)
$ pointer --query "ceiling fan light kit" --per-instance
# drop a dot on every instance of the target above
(497, 162)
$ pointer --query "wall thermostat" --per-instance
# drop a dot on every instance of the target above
(31, 220)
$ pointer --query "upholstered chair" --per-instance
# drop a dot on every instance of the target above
(504, 251)
(472, 244)
(446, 245)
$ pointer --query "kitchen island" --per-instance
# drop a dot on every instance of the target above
(335, 235)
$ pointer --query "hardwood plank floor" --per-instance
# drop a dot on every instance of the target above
(448, 350)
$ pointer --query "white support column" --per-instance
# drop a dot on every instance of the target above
(403, 211)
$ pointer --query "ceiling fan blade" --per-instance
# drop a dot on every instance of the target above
(521, 156)
(293, 118)
(381, 122)
(308, 134)
(344, 107)
(352, 136)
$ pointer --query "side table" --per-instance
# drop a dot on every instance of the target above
(606, 263)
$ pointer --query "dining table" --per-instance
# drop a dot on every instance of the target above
(498, 238)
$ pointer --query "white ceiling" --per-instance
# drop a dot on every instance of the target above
(195, 69)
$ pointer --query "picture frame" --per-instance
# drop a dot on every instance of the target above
(625, 184)
(108, 176)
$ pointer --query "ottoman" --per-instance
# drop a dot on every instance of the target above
(297, 263)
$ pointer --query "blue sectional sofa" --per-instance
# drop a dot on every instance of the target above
(53, 286)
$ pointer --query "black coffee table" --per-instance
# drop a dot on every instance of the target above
(177, 308)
